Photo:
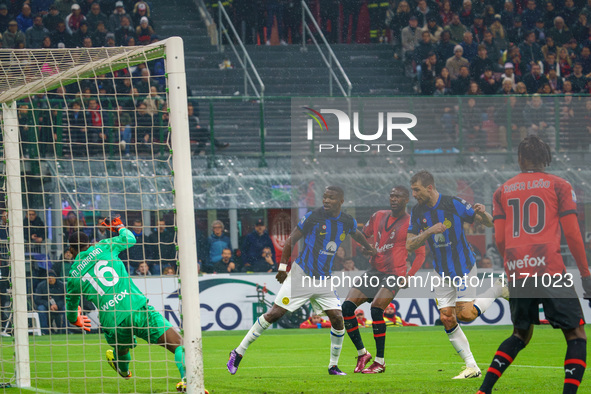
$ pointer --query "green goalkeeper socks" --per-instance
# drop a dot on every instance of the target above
(179, 359)
(123, 361)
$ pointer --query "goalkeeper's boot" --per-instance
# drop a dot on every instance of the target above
(111, 361)
(469, 372)
(334, 370)
(362, 362)
(234, 361)
(181, 387)
(375, 367)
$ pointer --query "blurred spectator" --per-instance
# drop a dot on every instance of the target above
(74, 19)
(265, 262)
(516, 34)
(580, 30)
(64, 6)
(218, 241)
(360, 316)
(410, 36)
(124, 32)
(540, 32)
(4, 17)
(549, 47)
(456, 62)
(25, 18)
(585, 59)
(506, 87)
(509, 74)
(154, 101)
(555, 81)
(82, 33)
(13, 38)
(162, 247)
(577, 79)
(567, 134)
(72, 225)
(508, 15)
(466, 13)
(99, 37)
(480, 63)
(400, 19)
(50, 301)
(478, 28)
(95, 16)
(530, 15)
(549, 13)
(487, 82)
(226, 264)
(110, 37)
(315, 321)
(424, 48)
(440, 89)
(423, 13)
(489, 16)
(143, 269)
(339, 259)
(144, 31)
(549, 63)
(535, 79)
(537, 120)
(485, 263)
(135, 255)
(144, 127)
(115, 19)
(445, 78)
(490, 129)
(255, 242)
(499, 34)
(100, 233)
(349, 265)
(472, 125)
(493, 52)
(560, 33)
(530, 50)
(461, 84)
(445, 48)
(36, 33)
(168, 270)
(434, 29)
(51, 20)
(521, 89)
(142, 10)
(61, 36)
(445, 13)
(456, 29)
(34, 228)
(62, 267)
(429, 71)
(470, 47)
(570, 12)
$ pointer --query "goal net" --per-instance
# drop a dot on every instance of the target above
(91, 133)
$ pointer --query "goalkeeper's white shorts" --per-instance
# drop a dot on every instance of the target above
(299, 288)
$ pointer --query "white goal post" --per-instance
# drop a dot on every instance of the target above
(25, 73)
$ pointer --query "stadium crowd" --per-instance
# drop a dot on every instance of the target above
(72, 24)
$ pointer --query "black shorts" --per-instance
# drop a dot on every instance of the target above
(561, 307)
(374, 281)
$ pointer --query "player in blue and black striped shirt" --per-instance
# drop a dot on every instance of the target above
(439, 220)
(323, 230)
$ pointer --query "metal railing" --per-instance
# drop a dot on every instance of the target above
(330, 59)
(246, 63)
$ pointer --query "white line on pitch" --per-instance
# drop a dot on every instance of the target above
(38, 390)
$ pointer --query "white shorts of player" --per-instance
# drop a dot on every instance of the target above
(447, 294)
(295, 292)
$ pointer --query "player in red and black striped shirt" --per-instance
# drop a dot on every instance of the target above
(528, 210)
(388, 229)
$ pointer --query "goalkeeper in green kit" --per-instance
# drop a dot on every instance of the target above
(124, 313)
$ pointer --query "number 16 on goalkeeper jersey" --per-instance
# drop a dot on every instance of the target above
(124, 313)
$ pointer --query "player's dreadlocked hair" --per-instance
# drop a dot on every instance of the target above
(534, 150)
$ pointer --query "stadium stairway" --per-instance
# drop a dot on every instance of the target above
(285, 70)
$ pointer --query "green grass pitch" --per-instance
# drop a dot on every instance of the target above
(418, 360)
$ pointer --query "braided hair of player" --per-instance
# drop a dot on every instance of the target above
(535, 151)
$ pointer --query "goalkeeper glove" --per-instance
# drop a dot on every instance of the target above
(586, 286)
(83, 321)
(114, 224)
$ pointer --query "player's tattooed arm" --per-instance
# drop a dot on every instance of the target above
(360, 239)
(413, 242)
(482, 216)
